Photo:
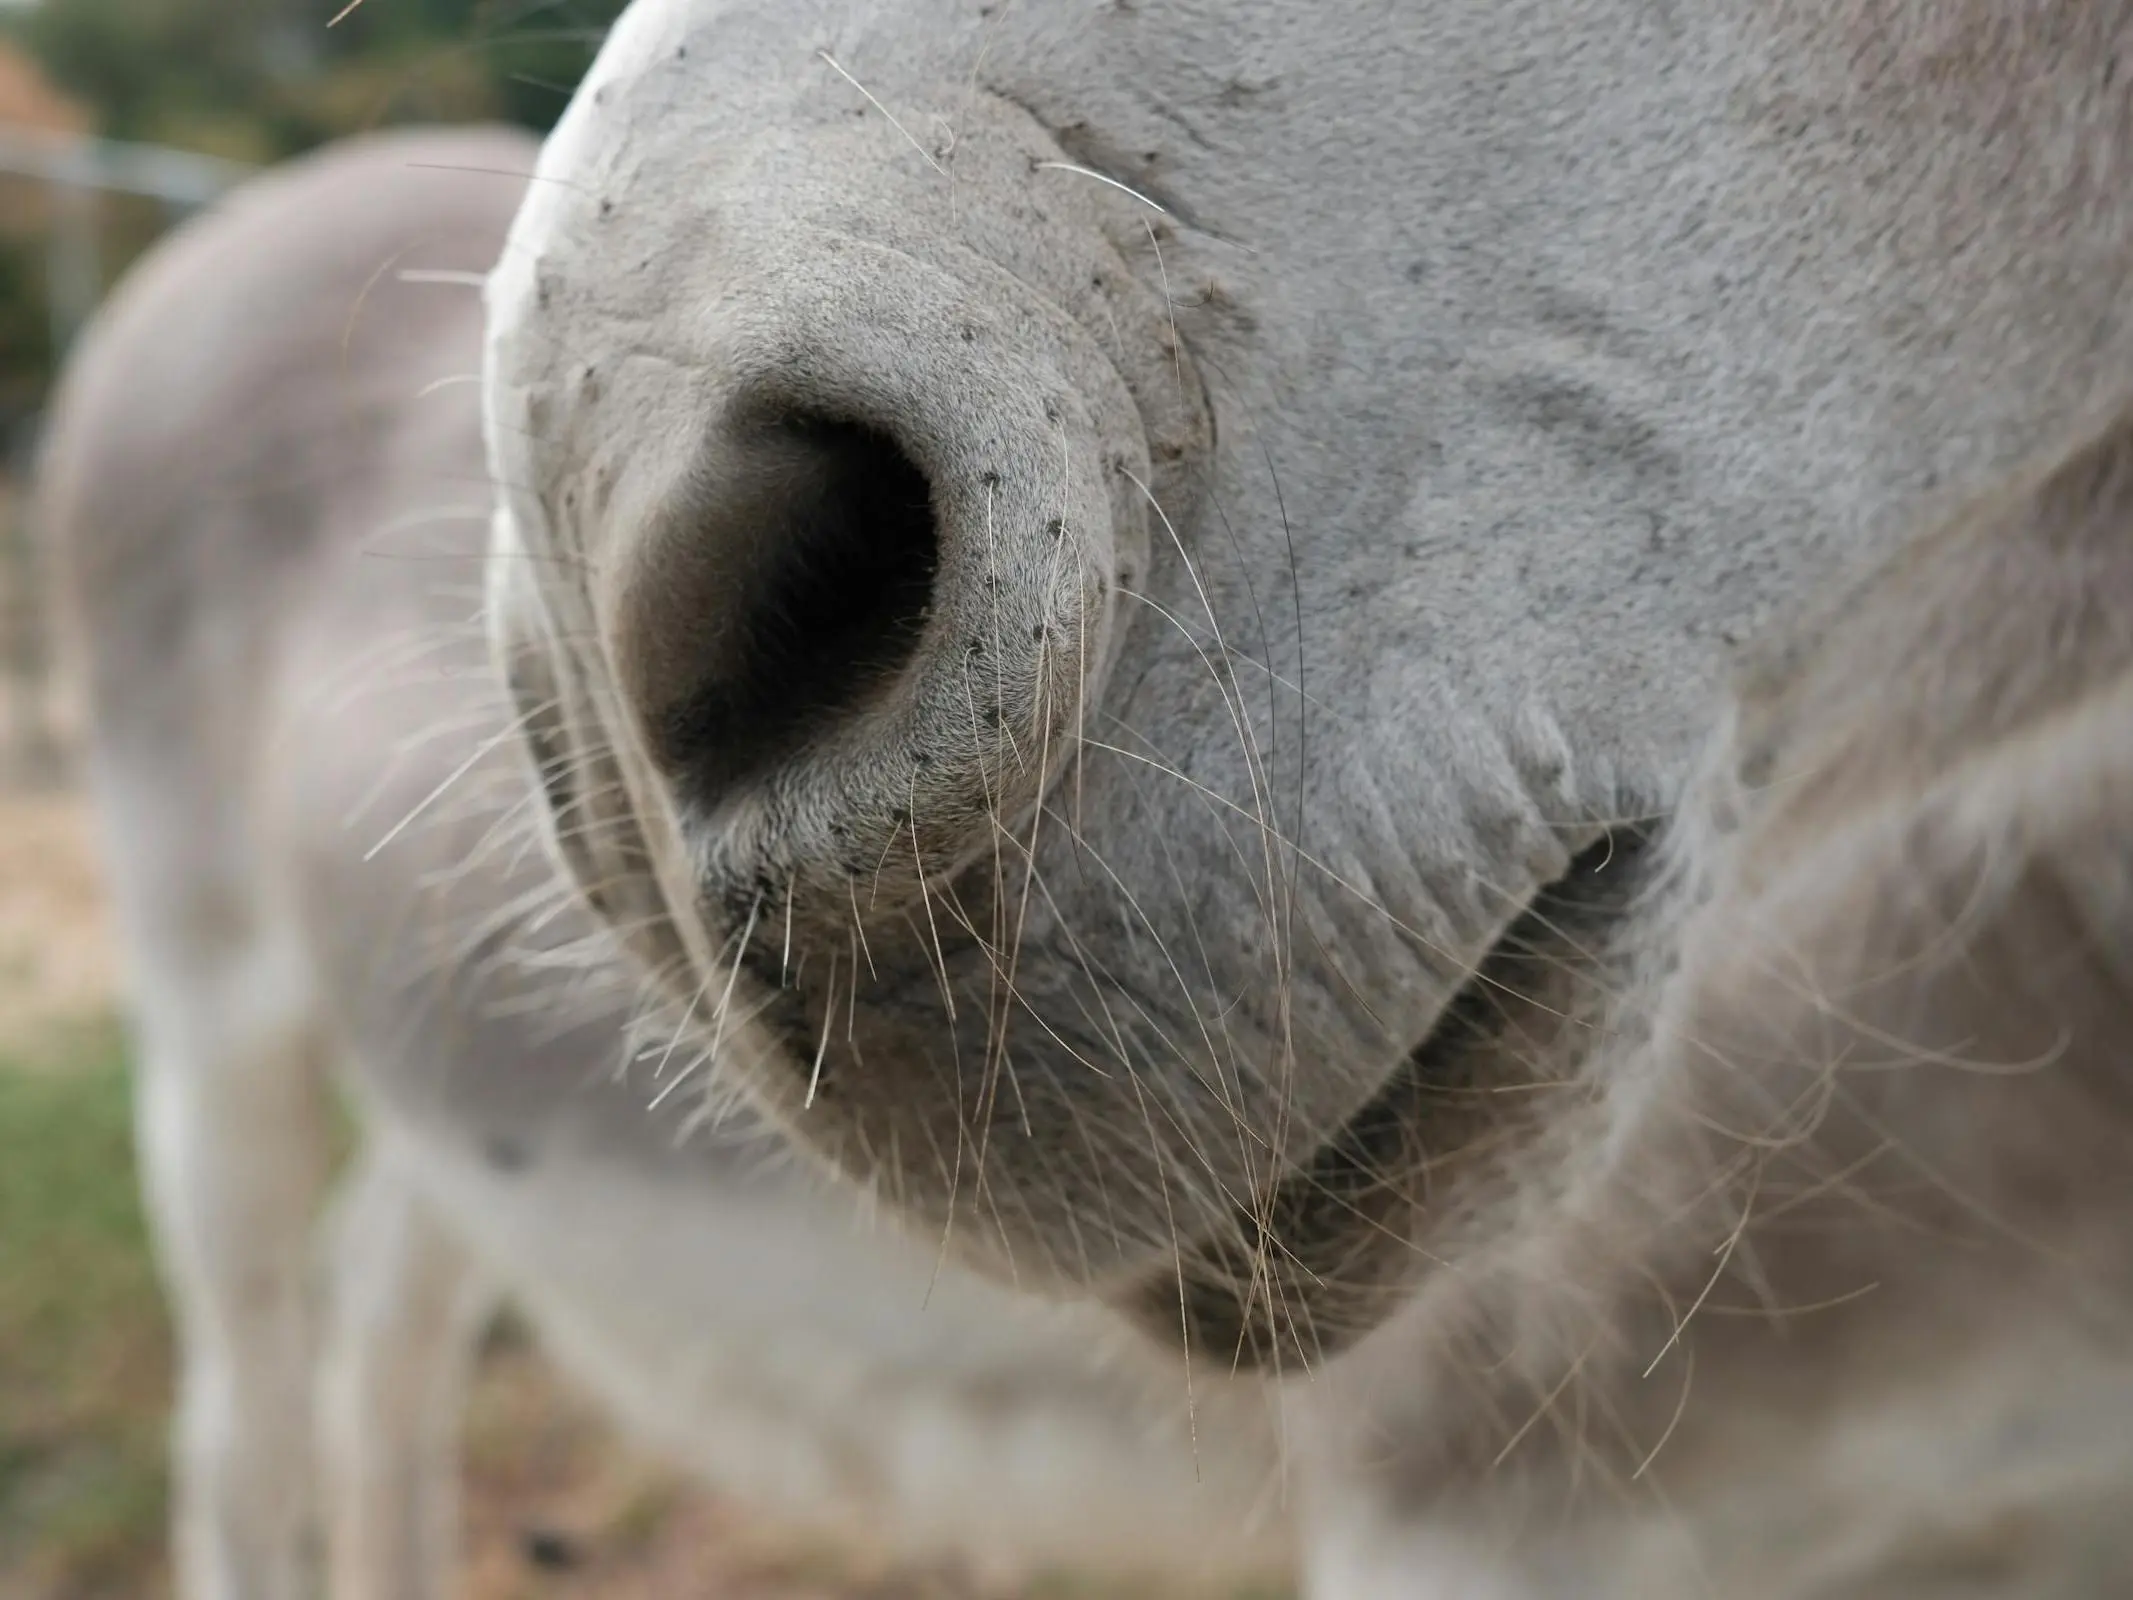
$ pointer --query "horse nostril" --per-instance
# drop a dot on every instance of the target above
(801, 588)
(845, 577)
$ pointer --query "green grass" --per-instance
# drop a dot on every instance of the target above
(84, 1343)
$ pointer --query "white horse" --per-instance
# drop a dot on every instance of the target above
(1125, 622)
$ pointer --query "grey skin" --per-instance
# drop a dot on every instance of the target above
(1125, 613)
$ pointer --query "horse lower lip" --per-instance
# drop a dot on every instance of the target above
(1335, 1248)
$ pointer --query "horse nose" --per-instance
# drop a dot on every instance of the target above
(858, 633)
(828, 479)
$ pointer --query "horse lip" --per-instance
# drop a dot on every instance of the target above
(1343, 1237)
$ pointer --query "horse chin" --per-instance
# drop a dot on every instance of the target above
(1424, 1174)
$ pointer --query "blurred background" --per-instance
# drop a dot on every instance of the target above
(117, 119)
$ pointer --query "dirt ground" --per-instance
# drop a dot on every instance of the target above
(58, 961)
(555, 1505)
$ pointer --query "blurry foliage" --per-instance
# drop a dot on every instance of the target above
(260, 80)
(257, 80)
(25, 330)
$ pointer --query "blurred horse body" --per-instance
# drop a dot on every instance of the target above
(268, 485)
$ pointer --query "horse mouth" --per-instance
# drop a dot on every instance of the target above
(1344, 1237)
